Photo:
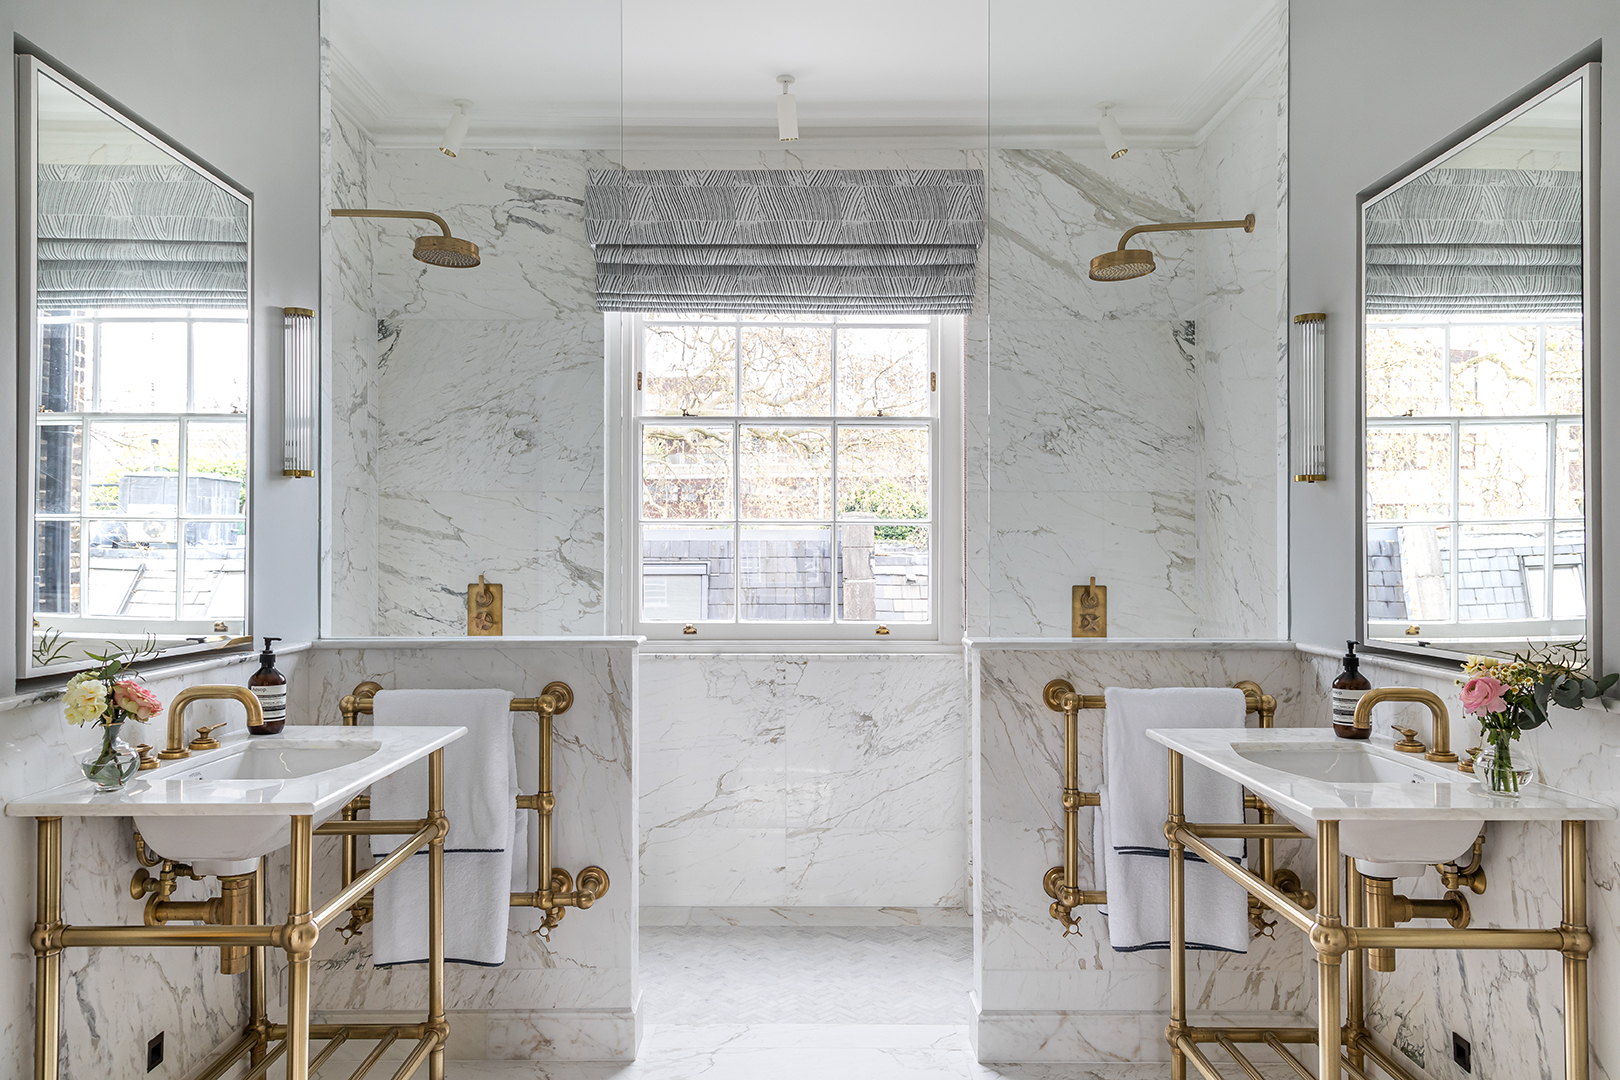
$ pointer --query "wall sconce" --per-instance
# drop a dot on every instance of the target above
(1310, 381)
(298, 392)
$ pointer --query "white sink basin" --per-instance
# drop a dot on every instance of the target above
(220, 810)
(1396, 812)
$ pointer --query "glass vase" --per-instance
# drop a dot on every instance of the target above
(110, 763)
(1500, 772)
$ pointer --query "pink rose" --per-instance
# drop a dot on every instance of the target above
(136, 699)
(1483, 694)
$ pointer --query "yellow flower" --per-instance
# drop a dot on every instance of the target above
(85, 699)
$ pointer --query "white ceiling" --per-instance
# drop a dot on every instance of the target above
(930, 72)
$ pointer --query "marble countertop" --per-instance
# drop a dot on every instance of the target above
(174, 788)
(1451, 794)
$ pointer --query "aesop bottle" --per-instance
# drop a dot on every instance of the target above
(1347, 691)
(270, 687)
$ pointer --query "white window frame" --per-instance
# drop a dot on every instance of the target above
(623, 532)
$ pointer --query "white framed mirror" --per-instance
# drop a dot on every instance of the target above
(136, 280)
(1478, 343)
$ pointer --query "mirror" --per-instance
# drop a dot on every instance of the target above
(1474, 368)
(137, 277)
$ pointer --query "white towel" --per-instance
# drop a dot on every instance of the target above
(487, 840)
(1129, 829)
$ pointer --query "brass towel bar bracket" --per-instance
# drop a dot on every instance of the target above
(1062, 883)
(556, 890)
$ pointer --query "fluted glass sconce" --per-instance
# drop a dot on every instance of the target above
(298, 392)
(1310, 383)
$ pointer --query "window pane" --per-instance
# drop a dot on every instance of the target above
(688, 572)
(56, 567)
(135, 467)
(143, 367)
(1564, 369)
(216, 468)
(1408, 473)
(1502, 471)
(1571, 471)
(64, 367)
(786, 573)
(1409, 573)
(132, 569)
(787, 371)
(1569, 574)
(1491, 581)
(1494, 370)
(689, 371)
(219, 367)
(883, 573)
(786, 473)
(1404, 371)
(61, 469)
(216, 571)
(883, 372)
(883, 472)
(686, 473)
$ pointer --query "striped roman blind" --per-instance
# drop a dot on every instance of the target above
(1456, 241)
(855, 241)
(141, 236)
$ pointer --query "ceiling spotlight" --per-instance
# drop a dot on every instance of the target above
(787, 112)
(457, 129)
(1113, 139)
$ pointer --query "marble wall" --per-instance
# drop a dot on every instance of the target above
(1508, 1005)
(574, 996)
(113, 1000)
(1041, 996)
(804, 781)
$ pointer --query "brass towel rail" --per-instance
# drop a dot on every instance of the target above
(1062, 883)
(555, 891)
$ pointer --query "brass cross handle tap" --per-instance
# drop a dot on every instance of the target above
(205, 738)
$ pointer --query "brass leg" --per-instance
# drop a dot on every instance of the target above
(436, 916)
(258, 995)
(47, 957)
(301, 935)
(1576, 1051)
(1329, 951)
(1355, 959)
(1178, 922)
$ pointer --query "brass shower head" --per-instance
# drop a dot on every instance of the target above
(443, 250)
(1122, 265)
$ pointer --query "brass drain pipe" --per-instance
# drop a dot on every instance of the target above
(1386, 909)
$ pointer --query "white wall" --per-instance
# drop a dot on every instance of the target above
(236, 84)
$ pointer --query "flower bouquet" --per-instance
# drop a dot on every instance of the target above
(1510, 696)
(107, 697)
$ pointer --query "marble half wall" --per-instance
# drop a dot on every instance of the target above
(1041, 996)
(573, 997)
(804, 781)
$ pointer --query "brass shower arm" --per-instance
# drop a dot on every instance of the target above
(423, 214)
(1247, 225)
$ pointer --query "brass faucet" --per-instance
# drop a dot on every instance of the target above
(1440, 730)
(177, 711)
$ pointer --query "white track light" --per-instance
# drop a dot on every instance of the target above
(787, 112)
(457, 129)
(1113, 139)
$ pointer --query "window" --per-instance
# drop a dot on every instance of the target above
(140, 498)
(786, 475)
(1475, 477)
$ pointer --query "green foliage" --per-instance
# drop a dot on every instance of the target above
(886, 499)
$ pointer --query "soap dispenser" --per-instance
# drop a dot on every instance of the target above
(1346, 693)
(270, 686)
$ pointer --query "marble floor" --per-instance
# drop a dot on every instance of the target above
(807, 994)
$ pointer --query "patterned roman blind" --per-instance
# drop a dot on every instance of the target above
(814, 241)
(144, 236)
(1455, 241)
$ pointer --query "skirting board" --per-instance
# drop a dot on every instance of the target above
(607, 1035)
(1091, 1038)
